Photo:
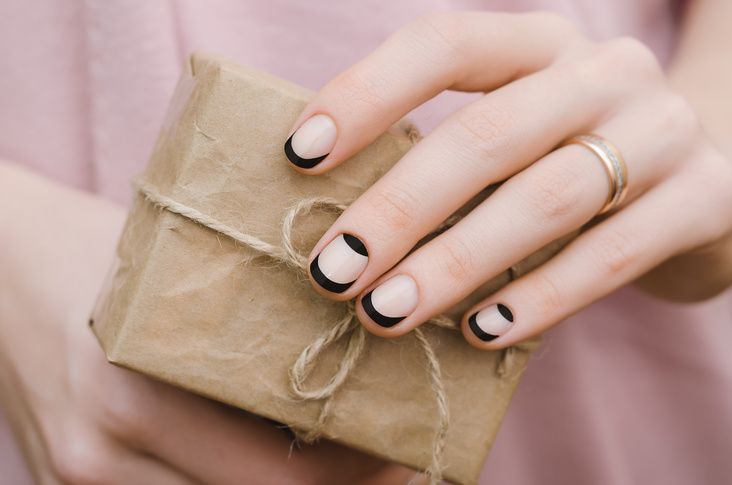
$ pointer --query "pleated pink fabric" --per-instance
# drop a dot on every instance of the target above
(631, 390)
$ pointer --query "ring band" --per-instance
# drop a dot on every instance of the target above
(612, 161)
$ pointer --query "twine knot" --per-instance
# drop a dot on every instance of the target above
(347, 327)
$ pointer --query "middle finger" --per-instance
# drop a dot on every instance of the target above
(483, 143)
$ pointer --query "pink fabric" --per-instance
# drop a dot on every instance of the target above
(631, 390)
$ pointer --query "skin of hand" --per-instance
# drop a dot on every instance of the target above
(80, 420)
(545, 83)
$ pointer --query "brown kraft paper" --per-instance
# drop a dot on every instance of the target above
(192, 307)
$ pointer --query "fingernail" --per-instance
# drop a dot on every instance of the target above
(491, 322)
(392, 301)
(312, 142)
(340, 263)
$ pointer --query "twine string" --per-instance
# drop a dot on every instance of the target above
(348, 326)
(435, 469)
(303, 206)
(306, 363)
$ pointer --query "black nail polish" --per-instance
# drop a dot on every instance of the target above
(490, 323)
(297, 160)
(392, 301)
(312, 142)
(377, 317)
(340, 263)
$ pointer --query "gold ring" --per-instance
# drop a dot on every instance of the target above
(614, 165)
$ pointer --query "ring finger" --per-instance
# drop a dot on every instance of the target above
(556, 195)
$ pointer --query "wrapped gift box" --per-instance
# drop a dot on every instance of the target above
(189, 304)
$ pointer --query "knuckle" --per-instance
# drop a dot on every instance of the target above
(622, 63)
(484, 132)
(357, 90)
(549, 296)
(80, 460)
(456, 259)
(394, 209)
(442, 32)
(629, 57)
(677, 119)
(614, 253)
(124, 418)
(708, 179)
(553, 194)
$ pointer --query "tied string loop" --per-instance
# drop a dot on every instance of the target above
(299, 373)
(348, 326)
(351, 327)
(304, 206)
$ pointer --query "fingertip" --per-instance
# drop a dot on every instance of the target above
(345, 296)
(335, 268)
(373, 327)
(486, 328)
(384, 309)
(311, 143)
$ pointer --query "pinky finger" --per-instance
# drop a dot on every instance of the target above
(613, 253)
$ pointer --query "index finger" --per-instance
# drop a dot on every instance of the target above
(466, 51)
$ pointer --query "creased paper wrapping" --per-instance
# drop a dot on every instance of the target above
(193, 308)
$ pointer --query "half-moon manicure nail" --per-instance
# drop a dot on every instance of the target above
(312, 142)
(392, 301)
(340, 263)
(491, 322)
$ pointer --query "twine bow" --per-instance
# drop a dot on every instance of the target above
(347, 327)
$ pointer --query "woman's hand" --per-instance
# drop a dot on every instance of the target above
(545, 84)
(80, 420)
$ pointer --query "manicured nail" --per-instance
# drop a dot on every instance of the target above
(312, 142)
(491, 322)
(340, 263)
(392, 301)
